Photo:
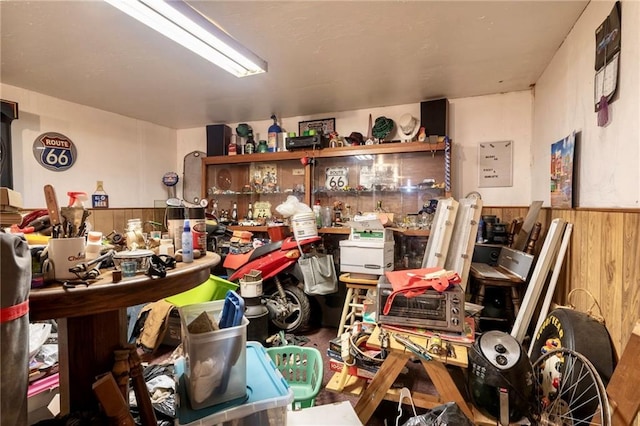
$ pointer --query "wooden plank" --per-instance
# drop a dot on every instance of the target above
(544, 310)
(611, 273)
(625, 381)
(630, 303)
(592, 251)
(384, 378)
(355, 386)
(444, 384)
(538, 279)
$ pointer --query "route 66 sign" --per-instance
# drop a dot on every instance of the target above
(54, 151)
(337, 178)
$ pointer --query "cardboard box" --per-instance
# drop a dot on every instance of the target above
(366, 257)
(10, 199)
(369, 228)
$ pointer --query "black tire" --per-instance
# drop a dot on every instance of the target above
(299, 320)
(579, 332)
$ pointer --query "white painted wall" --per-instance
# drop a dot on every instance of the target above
(500, 117)
(472, 120)
(609, 157)
(129, 156)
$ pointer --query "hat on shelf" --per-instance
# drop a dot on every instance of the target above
(355, 138)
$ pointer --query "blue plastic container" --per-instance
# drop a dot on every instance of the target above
(266, 401)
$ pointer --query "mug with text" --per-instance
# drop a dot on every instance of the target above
(63, 254)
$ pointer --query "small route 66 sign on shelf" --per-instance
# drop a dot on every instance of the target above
(337, 178)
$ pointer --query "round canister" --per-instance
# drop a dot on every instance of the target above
(304, 226)
(251, 288)
(175, 224)
(258, 316)
(198, 227)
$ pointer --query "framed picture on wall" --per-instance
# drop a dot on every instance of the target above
(563, 173)
(323, 126)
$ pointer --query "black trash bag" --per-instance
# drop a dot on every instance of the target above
(448, 414)
(165, 410)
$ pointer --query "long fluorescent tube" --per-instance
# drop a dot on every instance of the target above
(181, 23)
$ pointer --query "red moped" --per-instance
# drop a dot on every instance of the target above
(282, 280)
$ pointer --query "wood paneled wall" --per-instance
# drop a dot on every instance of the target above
(107, 220)
(603, 258)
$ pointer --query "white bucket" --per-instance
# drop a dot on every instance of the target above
(304, 226)
(251, 288)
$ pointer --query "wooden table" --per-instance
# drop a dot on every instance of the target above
(379, 387)
(92, 322)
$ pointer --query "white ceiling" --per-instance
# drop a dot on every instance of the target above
(323, 56)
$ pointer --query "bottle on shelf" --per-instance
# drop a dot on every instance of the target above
(233, 146)
(187, 243)
(99, 199)
(250, 144)
(317, 211)
(250, 212)
(273, 143)
(262, 146)
(234, 213)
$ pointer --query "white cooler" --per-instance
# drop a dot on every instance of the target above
(366, 257)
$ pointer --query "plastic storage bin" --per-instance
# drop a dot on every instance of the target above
(268, 396)
(215, 361)
(302, 368)
(215, 288)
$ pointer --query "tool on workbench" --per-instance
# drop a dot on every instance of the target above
(53, 210)
(420, 351)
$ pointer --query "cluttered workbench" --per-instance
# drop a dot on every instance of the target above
(380, 386)
(92, 321)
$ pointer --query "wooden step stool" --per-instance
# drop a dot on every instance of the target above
(354, 301)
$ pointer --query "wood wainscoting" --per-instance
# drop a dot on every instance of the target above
(107, 220)
(603, 258)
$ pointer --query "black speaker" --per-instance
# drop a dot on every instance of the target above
(9, 112)
(434, 116)
(218, 139)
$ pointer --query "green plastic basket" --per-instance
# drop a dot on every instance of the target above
(302, 369)
(215, 288)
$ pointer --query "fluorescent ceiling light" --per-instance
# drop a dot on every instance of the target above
(181, 23)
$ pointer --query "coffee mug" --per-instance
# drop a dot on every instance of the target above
(63, 254)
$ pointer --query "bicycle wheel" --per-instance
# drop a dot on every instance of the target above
(570, 390)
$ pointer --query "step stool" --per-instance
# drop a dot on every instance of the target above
(354, 301)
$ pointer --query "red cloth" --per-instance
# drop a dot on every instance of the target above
(413, 282)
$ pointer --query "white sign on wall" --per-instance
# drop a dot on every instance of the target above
(495, 164)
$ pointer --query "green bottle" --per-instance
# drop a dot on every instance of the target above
(262, 146)
(250, 145)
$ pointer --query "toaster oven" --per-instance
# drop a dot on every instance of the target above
(432, 309)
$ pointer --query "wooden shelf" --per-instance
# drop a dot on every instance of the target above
(384, 148)
(337, 230)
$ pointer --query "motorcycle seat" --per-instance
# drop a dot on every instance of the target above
(267, 248)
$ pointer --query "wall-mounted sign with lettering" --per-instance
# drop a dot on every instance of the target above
(495, 164)
(54, 151)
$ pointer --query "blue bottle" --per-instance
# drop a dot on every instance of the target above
(187, 243)
(273, 136)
